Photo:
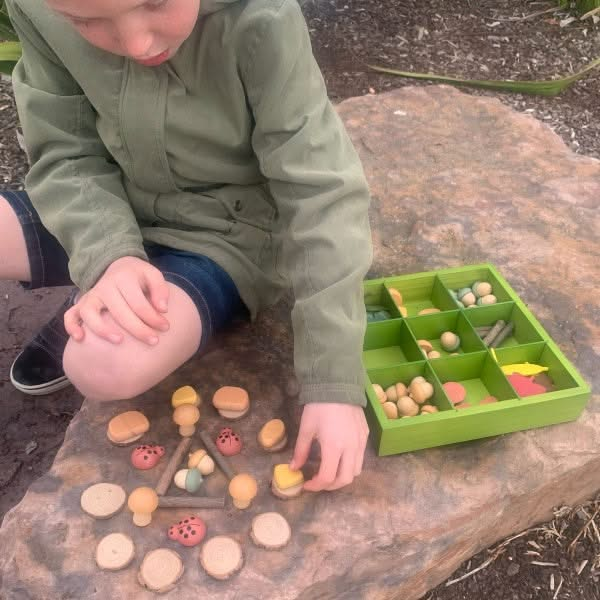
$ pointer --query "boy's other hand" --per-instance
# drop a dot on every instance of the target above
(342, 432)
(133, 292)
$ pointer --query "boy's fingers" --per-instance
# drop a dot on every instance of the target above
(158, 290)
(72, 322)
(91, 315)
(124, 316)
(327, 472)
(302, 449)
(139, 304)
(345, 472)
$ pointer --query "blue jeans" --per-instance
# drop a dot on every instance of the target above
(211, 289)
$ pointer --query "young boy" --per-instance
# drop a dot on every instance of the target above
(187, 167)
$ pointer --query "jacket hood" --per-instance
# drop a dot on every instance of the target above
(211, 6)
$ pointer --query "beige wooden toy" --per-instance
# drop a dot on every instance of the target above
(286, 483)
(167, 475)
(231, 402)
(127, 427)
(201, 460)
(272, 436)
(185, 395)
(114, 552)
(270, 530)
(103, 500)
(161, 569)
(221, 557)
(243, 489)
(142, 502)
(186, 416)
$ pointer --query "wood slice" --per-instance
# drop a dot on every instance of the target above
(270, 530)
(103, 500)
(161, 569)
(115, 552)
(221, 557)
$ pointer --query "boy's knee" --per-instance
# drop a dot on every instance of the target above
(99, 372)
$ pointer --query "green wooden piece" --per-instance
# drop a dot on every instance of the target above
(391, 354)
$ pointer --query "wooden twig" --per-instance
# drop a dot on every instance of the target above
(217, 456)
(571, 548)
(495, 554)
(558, 588)
(165, 479)
(190, 502)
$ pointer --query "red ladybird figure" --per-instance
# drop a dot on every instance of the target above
(146, 456)
(188, 532)
(228, 443)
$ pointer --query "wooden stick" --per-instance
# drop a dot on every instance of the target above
(165, 479)
(217, 456)
(506, 331)
(493, 332)
(191, 502)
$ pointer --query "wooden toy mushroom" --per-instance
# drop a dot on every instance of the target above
(186, 416)
(142, 502)
(185, 395)
(189, 480)
(202, 461)
(243, 489)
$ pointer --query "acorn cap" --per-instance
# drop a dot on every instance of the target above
(243, 487)
(231, 398)
(186, 414)
(143, 500)
(185, 395)
(195, 458)
(193, 480)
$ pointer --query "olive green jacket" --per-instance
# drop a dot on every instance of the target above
(231, 149)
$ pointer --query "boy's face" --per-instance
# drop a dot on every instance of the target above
(148, 31)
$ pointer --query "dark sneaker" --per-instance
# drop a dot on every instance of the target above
(38, 369)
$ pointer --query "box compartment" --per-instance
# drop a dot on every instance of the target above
(389, 343)
(431, 327)
(420, 292)
(377, 298)
(524, 331)
(455, 279)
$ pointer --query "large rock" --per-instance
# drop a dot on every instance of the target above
(456, 179)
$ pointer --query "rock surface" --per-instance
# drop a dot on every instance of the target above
(455, 179)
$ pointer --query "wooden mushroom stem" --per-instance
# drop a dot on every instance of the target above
(165, 479)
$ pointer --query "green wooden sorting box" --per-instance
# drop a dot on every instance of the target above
(391, 354)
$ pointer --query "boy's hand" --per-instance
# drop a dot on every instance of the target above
(134, 293)
(342, 432)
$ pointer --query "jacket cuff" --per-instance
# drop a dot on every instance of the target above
(86, 276)
(339, 393)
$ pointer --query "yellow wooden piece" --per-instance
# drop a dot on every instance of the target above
(185, 395)
(525, 369)
(285, 478)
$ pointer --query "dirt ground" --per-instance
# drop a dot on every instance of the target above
(485, 39)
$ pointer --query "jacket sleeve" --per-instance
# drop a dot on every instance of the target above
(73, 182)
(320, 190)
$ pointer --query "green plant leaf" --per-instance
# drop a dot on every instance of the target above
(551, 87)
(584, 6)
(10, 51)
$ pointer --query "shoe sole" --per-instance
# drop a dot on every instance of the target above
(43, 388)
